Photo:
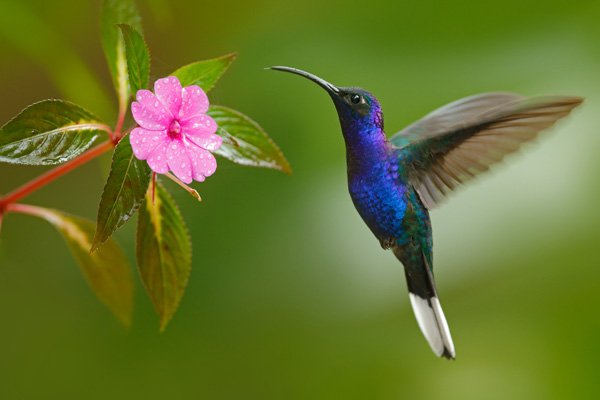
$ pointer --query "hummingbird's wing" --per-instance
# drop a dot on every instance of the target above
(462, 139)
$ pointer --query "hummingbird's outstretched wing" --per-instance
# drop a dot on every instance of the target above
(456, 142)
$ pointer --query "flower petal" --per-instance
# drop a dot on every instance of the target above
(203, 162)
(149, 112)
(168, 91)
(199, 125)
(144, 141)
(194, 102)
(209, 142)
(179, 162)
(157, 159)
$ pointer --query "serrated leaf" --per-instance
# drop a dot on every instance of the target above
(48, 133)
(138, 58)
(115, 12)
(164, 253)
(245, 142)
(123, 193)
(107, 270)
(204, 73)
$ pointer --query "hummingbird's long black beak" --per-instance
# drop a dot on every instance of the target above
(331, 89)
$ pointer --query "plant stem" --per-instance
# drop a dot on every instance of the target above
(153, 183)
(27, 209)
(116, 135)
(188, 189)
(53, 174)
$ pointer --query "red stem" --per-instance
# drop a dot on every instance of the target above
(153, 186)
(53, 174)
(27, 209)
(116, 135)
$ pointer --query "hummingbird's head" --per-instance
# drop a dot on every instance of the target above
(358, 110)
(357, 105)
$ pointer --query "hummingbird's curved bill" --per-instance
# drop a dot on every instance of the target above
(394, 183)
(332, 89)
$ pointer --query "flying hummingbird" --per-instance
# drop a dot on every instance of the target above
(395, 182)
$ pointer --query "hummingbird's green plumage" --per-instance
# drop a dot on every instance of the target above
(394, 183)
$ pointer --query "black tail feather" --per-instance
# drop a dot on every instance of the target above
(426, 306)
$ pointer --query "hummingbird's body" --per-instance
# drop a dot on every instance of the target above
(378, 186)
(394, 183)
(378, 182)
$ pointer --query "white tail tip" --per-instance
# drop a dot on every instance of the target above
(432, 322)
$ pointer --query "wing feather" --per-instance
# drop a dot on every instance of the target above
(455, 143)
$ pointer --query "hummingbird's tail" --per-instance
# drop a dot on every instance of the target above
(426, 306)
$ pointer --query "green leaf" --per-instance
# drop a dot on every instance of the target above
(115, 12)
(123, 193)
(138, 58)
(204, 73)
(48, 133)
(164, 253)
(107, 270)
(245, 142)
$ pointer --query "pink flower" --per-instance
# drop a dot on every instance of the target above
(174, 132)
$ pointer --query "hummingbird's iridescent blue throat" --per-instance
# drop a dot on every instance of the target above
(394, 182)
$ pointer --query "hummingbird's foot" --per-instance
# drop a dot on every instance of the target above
(387, 243)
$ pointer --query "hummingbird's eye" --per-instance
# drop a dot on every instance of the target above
(355, 98)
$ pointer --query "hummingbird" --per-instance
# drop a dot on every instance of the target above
(395, 182)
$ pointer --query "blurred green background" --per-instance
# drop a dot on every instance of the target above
(290, 296)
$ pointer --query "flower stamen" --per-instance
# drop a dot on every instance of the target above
(174, 131)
